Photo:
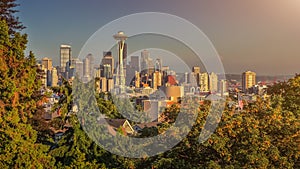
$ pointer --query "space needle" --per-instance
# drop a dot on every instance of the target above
(120, 79)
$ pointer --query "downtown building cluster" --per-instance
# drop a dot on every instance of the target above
(149, 81)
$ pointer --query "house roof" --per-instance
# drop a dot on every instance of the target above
(151, 124)
(116, 123)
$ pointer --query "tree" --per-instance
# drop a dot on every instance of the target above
(18, 85)
(290, 93)
(265, 135)
(7, 11)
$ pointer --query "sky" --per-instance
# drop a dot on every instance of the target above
(258, 35)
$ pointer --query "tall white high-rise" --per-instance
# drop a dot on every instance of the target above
(65, 56)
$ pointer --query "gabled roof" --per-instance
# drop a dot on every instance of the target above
(117, 123)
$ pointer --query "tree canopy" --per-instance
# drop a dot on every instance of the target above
(18, 85)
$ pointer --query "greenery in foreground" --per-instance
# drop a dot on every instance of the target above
(264, 135)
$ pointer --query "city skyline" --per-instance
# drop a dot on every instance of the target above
(253, 35)
(153, 73)
(153, 55)
(149, 84)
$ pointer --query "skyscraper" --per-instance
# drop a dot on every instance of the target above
(54, 79)
(110, 84)
(192, 79)
(47, 63)
(137, 81)
(78, 65)
(107, 71)
(108, 60)
(151, 67)
(248, 80)
(91, 65)
(156, 80)
(86, 69)
(97, 73)
(134, 66)
(213, 82)
(103, 84)
(145, 61)
(204, 82)
(158, 65)
(65, 56)
(135, 63)
(196, 71)
(223, 87)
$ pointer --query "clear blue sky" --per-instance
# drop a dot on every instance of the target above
(258, 35)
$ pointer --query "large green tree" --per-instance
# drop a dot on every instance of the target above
(289, 92)
(18, 96)
(18, 146)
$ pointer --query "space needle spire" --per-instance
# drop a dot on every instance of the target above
(120, 81)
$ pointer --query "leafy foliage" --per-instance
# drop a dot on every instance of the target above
(18, 86)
